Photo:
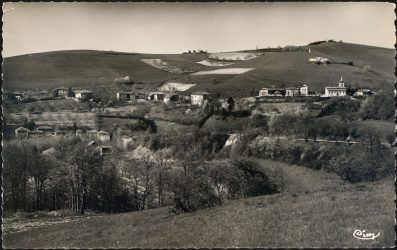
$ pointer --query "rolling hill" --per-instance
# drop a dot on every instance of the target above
(373, 67)
(316, 210)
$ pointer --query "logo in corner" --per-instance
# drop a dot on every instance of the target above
(362, 235)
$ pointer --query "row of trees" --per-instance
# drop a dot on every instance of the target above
(72, 175)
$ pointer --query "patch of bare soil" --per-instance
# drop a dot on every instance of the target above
(25, 222)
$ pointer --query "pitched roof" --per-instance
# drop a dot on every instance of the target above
(22, 129)
(156, 93)
(200, 93)
(83, 91)
(336, 88)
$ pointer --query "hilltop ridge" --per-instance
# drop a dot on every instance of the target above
(372, 67)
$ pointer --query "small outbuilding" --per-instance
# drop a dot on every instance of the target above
(22, 133)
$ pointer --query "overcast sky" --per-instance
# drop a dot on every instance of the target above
(177, 27)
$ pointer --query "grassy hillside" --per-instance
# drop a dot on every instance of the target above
(83, 69)
(373, 67)
(316, 210)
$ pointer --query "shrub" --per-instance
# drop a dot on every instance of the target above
(250, 180)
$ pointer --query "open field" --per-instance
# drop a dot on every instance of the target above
(228, 71)
(373, 67)
(316, 210)
(213, 63)
(50, 105)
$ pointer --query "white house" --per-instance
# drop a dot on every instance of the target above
(83, 94)
(304, 90)
(197, 98)
(264, 92)
(364, 92)
(336, 91)
(292, 91)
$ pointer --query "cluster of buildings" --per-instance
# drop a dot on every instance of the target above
(303, 90)
(24, 133)
(195, 98)
(78, 95)
(290, 91)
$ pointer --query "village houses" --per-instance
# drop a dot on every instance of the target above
(197, 98)
(289, 91)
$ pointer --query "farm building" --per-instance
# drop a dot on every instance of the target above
(83, 95)
(292, 91)
(104, 150)
(125, 96)
(197, 98)
(336, 91)
(103, 135)
(271, 92)
(61, 92)
(156, 96)
(363, 92)
(170, 98)
(22, 133)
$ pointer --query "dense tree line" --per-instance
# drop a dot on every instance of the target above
(74, 176)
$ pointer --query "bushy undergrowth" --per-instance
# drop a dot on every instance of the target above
(367, 160)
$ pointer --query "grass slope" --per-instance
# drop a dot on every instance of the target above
(316, 210)
(82, 69)
(373, 68)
